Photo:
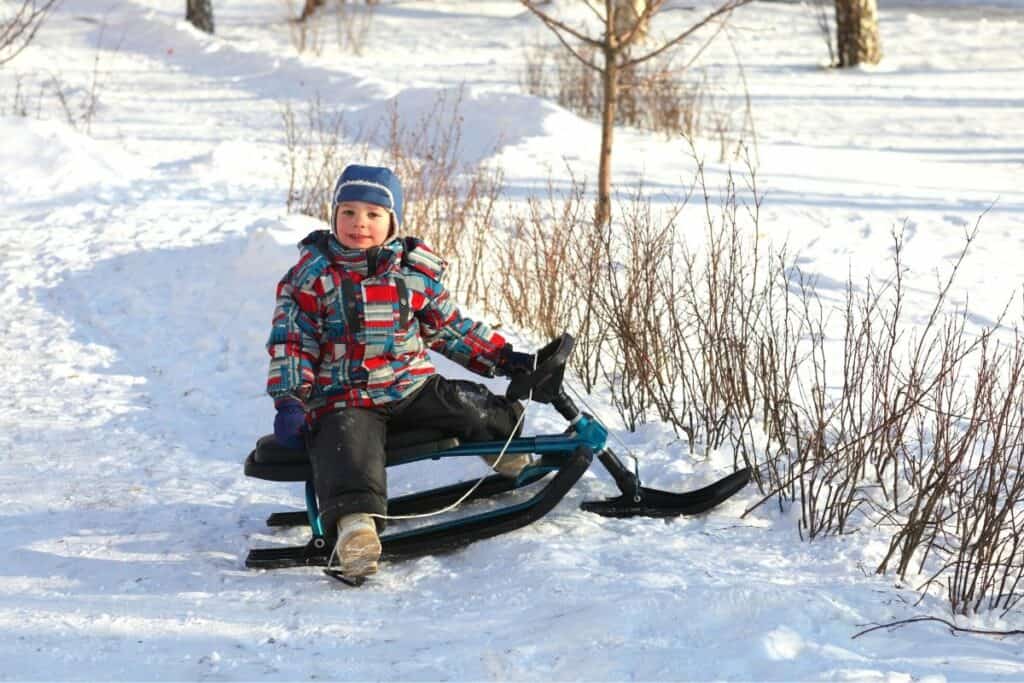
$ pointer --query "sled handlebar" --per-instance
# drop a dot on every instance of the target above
(545, 382)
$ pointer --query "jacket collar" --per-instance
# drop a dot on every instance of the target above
(366, 262)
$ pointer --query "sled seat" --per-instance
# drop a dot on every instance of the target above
(273, 462)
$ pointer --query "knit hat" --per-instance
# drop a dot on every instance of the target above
(372, 184)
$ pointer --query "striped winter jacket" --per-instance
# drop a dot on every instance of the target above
(352, 327)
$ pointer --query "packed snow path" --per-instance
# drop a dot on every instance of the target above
(137, 267)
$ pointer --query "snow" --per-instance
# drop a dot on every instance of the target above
(137, 265)
(54, 159)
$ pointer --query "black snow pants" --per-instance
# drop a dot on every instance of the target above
(347, 448)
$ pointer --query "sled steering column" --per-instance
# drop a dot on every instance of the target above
(545, 385)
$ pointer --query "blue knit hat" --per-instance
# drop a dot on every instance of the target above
(372, 184)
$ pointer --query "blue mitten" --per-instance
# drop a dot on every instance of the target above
(289, 424)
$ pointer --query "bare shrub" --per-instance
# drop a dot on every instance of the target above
(775, 368)
(315, 147)
(552, 264)
(450, 203)
(20, 20)
(43, 93)
(984, 545)
(352, 25)
(21, 102)
(633, 309)
(833, 423)
(912, 437)
(351, 19)
(642, 303)
(725, 294)
(666, 345)
(694, 339)
(966, 492)
(578, 87)
(653, 95)
(853, 427)
(534, 79)
(824, 19)
(304, 33)
(840, 404)
(80, 104)
(674, 103)
(538, 261)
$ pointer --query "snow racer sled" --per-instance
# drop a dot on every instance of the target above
(564, 459)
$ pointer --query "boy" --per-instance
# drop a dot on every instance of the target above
(354, 319)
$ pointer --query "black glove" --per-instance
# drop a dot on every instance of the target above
(512, 362)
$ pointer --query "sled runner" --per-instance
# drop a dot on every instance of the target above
(564, 459)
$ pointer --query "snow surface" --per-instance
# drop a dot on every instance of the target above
(137, 266)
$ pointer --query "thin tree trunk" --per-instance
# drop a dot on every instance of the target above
(309, 8)
(610, 77)
(200, 14)
(857, 32)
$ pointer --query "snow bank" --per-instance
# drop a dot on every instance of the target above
(53, 158)
(488, 121)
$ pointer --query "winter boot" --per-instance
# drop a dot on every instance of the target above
(510, 465)
(358, 547)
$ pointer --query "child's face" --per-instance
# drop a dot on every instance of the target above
(360, 225)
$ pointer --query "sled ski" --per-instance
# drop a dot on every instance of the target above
(654, 503)
(448, 535)
(564, 459)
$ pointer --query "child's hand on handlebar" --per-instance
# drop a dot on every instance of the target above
(511, 362)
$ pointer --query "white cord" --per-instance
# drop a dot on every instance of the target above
(334, 554)
(613, 435)
(460, 501)
(470, 491)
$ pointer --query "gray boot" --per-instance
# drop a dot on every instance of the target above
(510, 465)
(358, 548)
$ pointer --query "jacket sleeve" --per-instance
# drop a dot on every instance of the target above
(471, 344)
(294, 343)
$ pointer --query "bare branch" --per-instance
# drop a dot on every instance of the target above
(18, 31)
(727, 8)
(705, 46)
(951, 625)
(554, 24)
(556, 27)
(586, 62)
(592, 8)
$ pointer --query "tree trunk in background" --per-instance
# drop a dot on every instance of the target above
(610, 83)
(857, 32)
(627, 15)
(200, 14)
